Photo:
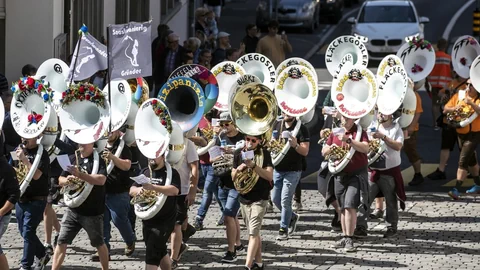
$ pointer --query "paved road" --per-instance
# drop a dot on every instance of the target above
(434, 233)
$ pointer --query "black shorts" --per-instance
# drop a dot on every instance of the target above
(72, 223)
(182, 209)
(53, 191)
(468, 143)
(449, 138)
(156, 241)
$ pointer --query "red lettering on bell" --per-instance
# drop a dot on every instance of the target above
(292, 111)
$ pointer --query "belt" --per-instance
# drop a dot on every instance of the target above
(33, 198)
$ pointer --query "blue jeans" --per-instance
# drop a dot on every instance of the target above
(229, 199)
(29, 215)
(284, 184)
(211, 188)
(117, 209)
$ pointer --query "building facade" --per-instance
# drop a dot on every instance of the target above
(34, 31)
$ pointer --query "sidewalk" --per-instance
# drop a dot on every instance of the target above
(434, 233)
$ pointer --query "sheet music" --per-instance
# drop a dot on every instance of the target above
(64, 161)
(141, 179)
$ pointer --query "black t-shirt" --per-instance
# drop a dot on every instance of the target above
(118, 181)
(94, 205)
(9, 189)
(66, 148)
(169, 209)
(250, 44)
(37, 187)
(262, 188)
(292, 161)
(219, 55)
(227, 179)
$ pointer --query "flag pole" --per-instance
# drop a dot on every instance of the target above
(109, 70)
(83, 30)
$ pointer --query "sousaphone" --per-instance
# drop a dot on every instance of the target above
(55, 71)
(475, 73)
(84, 116)
(259, 65)
(30, 111)
(185, 101)
(408, 107)
(153, 133)
(207, 131)
(464, 52)
(140, 91)
(2, 113)
(343, 45)
(388, 62)
(176, 146)
(121, 102)
(227, 73)
(418, 58)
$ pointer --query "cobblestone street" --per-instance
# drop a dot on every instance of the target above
(434, 233)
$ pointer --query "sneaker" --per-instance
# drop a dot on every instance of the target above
(349, 246)
(390, 232)
(360, 232)
(48, 249)
(293, 224)
(257, 267)
(96, 258)
(198, 224)
(174, 264)
(454, 194)
(417, 180)
(239, 248)
(340, 243)
(183, 248)
(297, 206)
(229, 257)
(437, 175)
(474, 190)
(282, 234)
(41, 263)
(221, 221)
(376, 214)
(189, 232)
(129, 249)
(336, 223)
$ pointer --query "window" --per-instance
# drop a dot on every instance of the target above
(90, 13)
(387, 14)
(132, 10)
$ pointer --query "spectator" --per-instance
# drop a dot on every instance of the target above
(158, 46)
(205, 58)
(29, 70)
(212, 28)
(168, 61)
(220, 54)
(193, 45)
(215, 6)
(203, 39)
(232, 54)
(273, 45)
(251, 39)
(201, 20)
(187, 58)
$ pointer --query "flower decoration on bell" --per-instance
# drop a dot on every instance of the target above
(416, 68)
(29, 84)
(83, 91)
(420, 43)
(472, 41)
(34, 118)
(162, 113)
(463, 61)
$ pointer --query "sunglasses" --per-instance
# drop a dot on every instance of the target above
(225, 124)
(251, 140)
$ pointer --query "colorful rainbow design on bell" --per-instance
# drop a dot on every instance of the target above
(138, 93)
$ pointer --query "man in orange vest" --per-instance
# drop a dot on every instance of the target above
(440, 77)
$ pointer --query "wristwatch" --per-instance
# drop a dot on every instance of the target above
(384, 136)
(349, 140)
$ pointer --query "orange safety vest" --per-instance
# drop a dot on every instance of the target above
(441, 74)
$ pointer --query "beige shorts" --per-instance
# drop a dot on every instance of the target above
(253, 215)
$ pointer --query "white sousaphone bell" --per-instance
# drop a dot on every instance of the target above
(140, 91)
(2, 113)
(387, 62)
(84, 115)
(120, 104)
(153, 134)
(176, 146)
(227, 74)
(464, 52)
(260, 66)
(55, 71)
(343, 45)
(408, 107)
(30, 112)
(418, 58)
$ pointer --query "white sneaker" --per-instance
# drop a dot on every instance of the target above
(297, 206)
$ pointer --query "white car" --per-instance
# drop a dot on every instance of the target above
(386, 24)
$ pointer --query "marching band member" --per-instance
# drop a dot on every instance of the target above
(254, 202)
(117, 198)
(9, 195)
(157, 230)
(410, 142)
(187, 168)
(350, 184)
(89, 215)
(287, 174)
(227, 194)
(385, 176)
(31, 205)
(469, 137)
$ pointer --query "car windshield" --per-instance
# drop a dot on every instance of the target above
(387, 14)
